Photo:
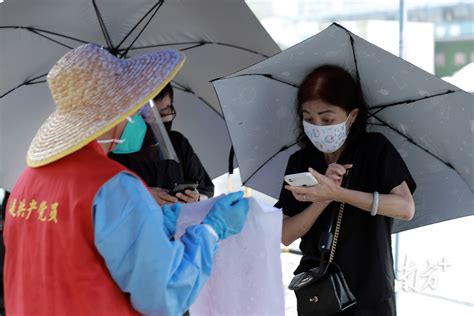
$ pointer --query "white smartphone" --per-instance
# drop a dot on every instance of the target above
(303, 179)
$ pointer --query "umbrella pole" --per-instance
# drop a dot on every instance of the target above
(402, 18)
(396, 259)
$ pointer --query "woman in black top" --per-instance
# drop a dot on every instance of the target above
(333, 120)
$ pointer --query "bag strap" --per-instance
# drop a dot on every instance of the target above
(338, 224)
(328, 239)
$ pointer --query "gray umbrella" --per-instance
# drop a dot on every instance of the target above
(217, 36)
(428, 120)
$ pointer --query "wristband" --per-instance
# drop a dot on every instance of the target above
(375, 204)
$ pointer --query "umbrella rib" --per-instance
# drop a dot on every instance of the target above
(384, 106)
(31, 29)
(159, 2)
(199, 44)
(351, 38)
(61, 35)
(103, 27)
(238, 47)
(414, 143)
(280, 80)
(35, 82)
(269, 76)
(353, 54)
(375, 113)
(193, 46)
(375, 124)
(29, 82)
(49, 38)
(266, 161)
(161, 45)
(157, 7)
(181, 87)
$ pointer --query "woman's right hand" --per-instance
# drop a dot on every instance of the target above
(161, 196)
(336, 172)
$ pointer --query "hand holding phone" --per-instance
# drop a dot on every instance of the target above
(181, 187)
(162, 196)
(303, 179)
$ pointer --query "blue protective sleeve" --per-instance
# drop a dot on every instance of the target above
(163, 277)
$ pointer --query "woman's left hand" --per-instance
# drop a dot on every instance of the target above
(325, 190)
(188, 196)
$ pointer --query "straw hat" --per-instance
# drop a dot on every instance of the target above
(94, 91)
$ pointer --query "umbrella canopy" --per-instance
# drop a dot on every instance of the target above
(428, 120)
(217, 36)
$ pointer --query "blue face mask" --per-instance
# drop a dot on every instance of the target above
(132, 136)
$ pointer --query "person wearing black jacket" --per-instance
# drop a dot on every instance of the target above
(335, 143)
(162, 175)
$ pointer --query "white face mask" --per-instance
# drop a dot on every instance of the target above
(327, 139)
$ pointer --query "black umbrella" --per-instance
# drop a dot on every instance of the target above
(428, 120)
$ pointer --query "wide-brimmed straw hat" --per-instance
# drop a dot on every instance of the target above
(94, 91)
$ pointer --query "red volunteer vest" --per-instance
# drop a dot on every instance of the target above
(51, 265)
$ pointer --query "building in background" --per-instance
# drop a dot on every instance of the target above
(452, 30)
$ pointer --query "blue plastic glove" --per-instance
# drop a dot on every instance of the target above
(170, 217)
(227, 216)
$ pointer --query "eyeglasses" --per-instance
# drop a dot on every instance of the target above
(147, 111)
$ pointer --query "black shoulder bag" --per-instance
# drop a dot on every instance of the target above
(323, 290)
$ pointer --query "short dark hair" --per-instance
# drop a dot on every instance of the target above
(334, 85)
(167, 91)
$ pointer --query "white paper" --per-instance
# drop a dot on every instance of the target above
(246, 277)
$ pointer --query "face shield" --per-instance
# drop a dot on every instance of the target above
(151, 114)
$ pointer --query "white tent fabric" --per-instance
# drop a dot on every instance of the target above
(246, 277)
(217, 36)
(429, 120)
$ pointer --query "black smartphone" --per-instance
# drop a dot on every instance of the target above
(181, 187)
